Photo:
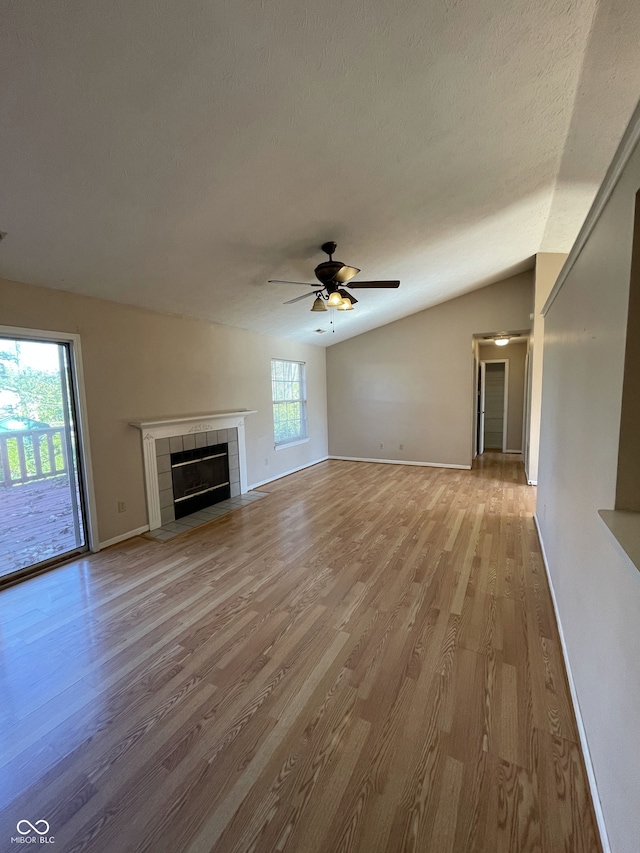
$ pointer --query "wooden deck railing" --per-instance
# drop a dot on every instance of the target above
(35, 454)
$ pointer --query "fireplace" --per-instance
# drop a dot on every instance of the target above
(196, 470)
(164, 437)
(200, 478)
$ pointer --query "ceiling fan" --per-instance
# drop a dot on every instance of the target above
(331, 275)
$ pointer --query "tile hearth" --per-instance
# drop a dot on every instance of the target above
(203, 516)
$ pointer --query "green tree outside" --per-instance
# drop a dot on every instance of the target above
(26, 392)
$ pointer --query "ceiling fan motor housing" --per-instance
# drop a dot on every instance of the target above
(326, 272)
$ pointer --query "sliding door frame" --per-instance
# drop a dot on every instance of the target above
(80, 411)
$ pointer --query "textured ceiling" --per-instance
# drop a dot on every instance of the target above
(176, 155)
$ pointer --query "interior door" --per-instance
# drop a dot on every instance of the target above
(481, 409)
(494, 406)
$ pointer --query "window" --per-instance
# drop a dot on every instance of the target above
(289, 401)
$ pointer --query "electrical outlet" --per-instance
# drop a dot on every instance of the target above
(121, 506)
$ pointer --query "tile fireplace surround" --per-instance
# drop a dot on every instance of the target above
(192, 428)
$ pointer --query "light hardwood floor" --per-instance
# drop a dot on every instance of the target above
(366, 660)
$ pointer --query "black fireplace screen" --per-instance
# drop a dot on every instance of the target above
(200, 478)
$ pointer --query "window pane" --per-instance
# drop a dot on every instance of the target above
(289, 401)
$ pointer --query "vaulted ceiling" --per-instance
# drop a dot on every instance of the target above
(177, 155)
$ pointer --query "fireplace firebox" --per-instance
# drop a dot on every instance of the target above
(200, 478)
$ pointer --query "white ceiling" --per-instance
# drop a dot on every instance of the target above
(176, 155)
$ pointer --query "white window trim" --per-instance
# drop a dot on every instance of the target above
(281, 445)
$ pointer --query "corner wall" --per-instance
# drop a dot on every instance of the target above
(411, 382)
(547, 269)
(596, 586)
(139, 364)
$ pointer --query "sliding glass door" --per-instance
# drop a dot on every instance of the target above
(42, 516)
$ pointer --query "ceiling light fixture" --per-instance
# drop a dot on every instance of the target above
(318, 305)
(335, 299)
(501, 342)
(348, 301)
(348, 296)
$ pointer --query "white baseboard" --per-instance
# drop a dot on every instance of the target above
(532, 483)
(129, 535)
(584, 743)
(286, 473)
(402, 462)
(513, 451)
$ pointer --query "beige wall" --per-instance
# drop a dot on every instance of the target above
(547, 269)
(412, 382)
(516, 354)
(139, 364)
(597, 587)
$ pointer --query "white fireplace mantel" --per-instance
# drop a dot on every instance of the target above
(153, 429)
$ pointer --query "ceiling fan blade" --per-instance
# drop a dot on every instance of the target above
(345, 274)
(298, 298)
(280, 281)
(354, 284)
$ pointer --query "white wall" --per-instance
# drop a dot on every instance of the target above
(139, 364)
(597, 587)
(412, 382)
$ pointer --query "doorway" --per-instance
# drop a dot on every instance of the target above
(43, 494)
(493, 405)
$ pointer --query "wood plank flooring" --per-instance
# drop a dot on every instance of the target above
(366, 660)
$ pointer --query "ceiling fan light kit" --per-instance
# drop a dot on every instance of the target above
(343, 293)
(331, 274)
(319, 305)
(348, 301)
